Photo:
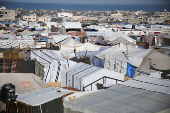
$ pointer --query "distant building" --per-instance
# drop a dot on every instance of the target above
(162, 13)
(6, 15)
(134, 21)
(63, 14)
(30, 18)
(83, 18)
(44, 19)
(156, 19)
(118, 16)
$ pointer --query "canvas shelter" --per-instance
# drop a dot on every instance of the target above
(24, 83)
(120, 99)
(85, 77)
(41, 101)
(52, 61)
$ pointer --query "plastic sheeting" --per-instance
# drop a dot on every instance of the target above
(130, 70)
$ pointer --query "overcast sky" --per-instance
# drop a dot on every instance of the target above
(96, 1)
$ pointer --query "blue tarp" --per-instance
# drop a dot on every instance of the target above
(130, 70)
(126, 23)
(44, 38)
(39, 29)
(141, 48)
(78, 39)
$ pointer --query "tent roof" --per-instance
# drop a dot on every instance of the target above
(149, 83)
(24, 82)
(42, 96)
(72, 25)
(122, 99)
(120, 34)
(61, 38)
(122, 40)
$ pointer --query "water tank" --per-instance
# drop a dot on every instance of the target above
(8, 93)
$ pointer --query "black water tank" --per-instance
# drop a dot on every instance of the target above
(8, 93)
(133, 26)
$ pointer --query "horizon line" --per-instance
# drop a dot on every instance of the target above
(86, 3)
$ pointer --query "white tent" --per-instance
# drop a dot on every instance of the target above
(116, 60)
(67, 49)
(118, 34)
(85, 77)
(53, 62)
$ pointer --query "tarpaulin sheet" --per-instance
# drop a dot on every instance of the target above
(130, 70)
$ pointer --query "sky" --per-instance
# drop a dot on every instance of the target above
(95, 1)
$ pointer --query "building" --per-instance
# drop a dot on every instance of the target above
(162, 13)
(30, 18)
(83, 18)
(6, 15)
(44, 19)
(117, 16)
(63, 14)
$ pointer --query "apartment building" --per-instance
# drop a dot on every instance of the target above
(6, 15)
(30, 18)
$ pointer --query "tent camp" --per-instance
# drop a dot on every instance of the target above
(24, 83)
(85, 77)
(52, 62)
(41, 101)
